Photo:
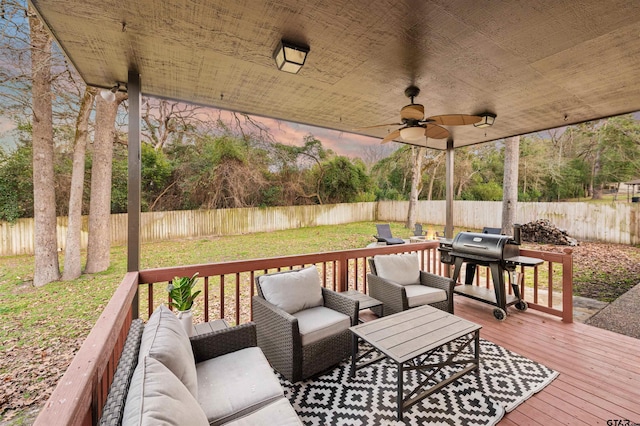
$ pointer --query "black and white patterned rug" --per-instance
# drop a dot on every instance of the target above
(505, 380)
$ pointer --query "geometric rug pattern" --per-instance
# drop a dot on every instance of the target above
(505, 380)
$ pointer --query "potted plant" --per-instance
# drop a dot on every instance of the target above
(181, 293)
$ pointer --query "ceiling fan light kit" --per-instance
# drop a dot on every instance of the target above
(412, 133)
(290, 57)
(487, 120)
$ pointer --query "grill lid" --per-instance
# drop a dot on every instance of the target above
(484, 246)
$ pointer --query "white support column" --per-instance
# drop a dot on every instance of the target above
(448, 228)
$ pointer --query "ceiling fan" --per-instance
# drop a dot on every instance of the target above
(416, 126)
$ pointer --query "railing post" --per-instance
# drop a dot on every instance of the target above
(343, 273)
(567, 286)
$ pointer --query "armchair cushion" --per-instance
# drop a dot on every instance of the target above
(318, 323)
(232, 385)
(403, 269)
(293, 291)
(156, 397)
(418, 295)
(164, 339)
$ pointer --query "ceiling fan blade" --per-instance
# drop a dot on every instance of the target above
(391, 136)
(379, 125)
(412, 112)
(454, 119)
(436, 132)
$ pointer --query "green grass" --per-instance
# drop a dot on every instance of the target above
(39, 317)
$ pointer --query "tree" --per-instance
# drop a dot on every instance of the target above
(46, 268)
(72, 261)
(417, 154)
(344, 181)
(392, 174)
(510, 183)
(434, 161)
(99, 243)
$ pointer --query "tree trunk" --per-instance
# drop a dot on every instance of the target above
(510, 183)
(417, 154)
(47, 268)
(72, 261)
(99, 242)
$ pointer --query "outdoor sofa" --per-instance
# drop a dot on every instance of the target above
(217, 378)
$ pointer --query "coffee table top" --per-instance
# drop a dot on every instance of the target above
(408, 334)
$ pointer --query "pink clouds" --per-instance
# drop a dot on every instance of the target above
(346, 144)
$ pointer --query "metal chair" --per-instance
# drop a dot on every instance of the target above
(384, 235)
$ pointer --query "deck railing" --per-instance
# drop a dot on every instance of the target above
(227, 290)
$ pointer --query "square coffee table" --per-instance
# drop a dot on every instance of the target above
(409, 338)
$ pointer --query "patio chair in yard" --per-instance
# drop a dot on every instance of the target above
(397, 281)
(384, 235)
(302, 327)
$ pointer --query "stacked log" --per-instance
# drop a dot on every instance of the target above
(544, 232)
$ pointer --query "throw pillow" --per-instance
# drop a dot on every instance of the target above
(157, 397)
(293, 291)
(403, 269)
(164, 339)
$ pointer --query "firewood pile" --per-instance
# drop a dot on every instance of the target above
(544, 232)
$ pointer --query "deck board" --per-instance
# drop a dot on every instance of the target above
(599, 370)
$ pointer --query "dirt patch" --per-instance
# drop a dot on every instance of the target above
(601, 271)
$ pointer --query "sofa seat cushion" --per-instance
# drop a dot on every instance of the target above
(157, 397)
(418, 295)
(164, 339)
(403, 269)
(278, 413)
(293, 291)
(318, 323)
(232, 385)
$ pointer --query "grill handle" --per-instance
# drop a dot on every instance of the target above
(478, 246)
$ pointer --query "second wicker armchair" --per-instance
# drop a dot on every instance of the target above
(302, 327)
(397, 281)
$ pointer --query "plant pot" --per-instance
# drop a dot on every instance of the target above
(186, 319)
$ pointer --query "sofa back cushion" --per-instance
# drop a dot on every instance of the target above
(157, 397)
(293, 291)
(403, 269)
(165, 339)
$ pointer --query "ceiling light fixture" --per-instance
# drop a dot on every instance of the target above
(109, 95)
(487, 120)
(289, 57)
(412, 133)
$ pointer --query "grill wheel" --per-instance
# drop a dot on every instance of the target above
(500, 314)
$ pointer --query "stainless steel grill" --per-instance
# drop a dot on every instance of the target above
(500, 253)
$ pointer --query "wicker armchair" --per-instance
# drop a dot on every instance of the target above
(279, 336)
(394, 296)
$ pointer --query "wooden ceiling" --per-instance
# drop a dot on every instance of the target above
(536, 64)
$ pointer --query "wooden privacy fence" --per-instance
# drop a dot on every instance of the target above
(613, 223)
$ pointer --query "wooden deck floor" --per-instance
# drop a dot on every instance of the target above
(599, 370)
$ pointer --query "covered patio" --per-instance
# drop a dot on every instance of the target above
(534, 66)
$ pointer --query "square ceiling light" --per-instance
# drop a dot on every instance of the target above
(487, 120)
(289, 57)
